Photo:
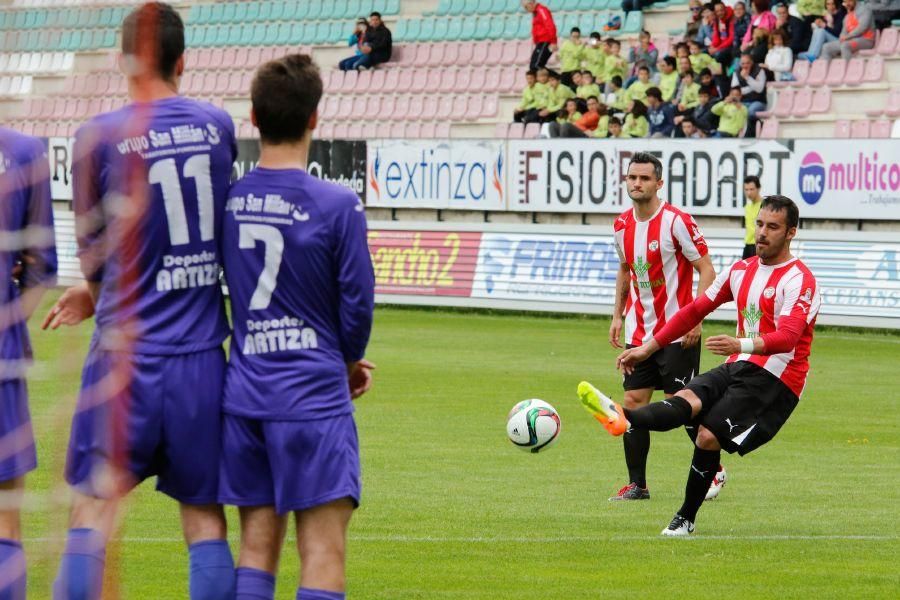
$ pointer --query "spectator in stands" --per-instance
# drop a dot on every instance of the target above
(760, 46)
(780, 59)
(642, 54)
(571, 53)
(636, 5)
(700, 59)
(357, 39)
(761, 17)
(615, 65)
(587, 88)
(660, 115)
(595, 57)
(732, 113)
(638, 89)
(751, 79)
(693, 24)
(858, 32)
(797, 30)
(377, 46)
(602, 129)
(615, 127)
(826, 28)
(707, 22)
(708, 83)
(617, 98)
(530, 96)
(688, 95)
(556, 97)
(682, 50)
(684, 65)
(721, 47)
(543, 33)
(569, 113)
(702, 115)
(668, 78)
(636, 124)
(583, 127)
(689, 129)
(751, 211)
(741, 25)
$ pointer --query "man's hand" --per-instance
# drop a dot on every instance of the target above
(615, 331)
(359, 375)
(723, 345)
(692, 337)
(73, 307)
(628, 359)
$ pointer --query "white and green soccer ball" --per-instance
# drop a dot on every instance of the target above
(533, 425)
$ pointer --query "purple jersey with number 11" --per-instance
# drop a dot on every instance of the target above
(150, 182)
(302, 289)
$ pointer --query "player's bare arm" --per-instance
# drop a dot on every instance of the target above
(623, 280)
(707, 272)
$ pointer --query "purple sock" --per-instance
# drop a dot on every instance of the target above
(12, 570)
(254, 584)
(311, 594)
(80, 574)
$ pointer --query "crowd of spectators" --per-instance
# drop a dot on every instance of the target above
(712, 84)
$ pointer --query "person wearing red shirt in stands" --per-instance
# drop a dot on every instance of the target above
(543, 33)
(723, 34)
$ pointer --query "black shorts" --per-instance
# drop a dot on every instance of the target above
(743, 405)
(669, 369)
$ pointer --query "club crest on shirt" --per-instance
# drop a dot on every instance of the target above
(807, 296)
(769, 292)
(654, 246)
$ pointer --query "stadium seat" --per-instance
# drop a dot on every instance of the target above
(359, 106)
(768, 129)
(442, 130)
(889, 41)
(398, 130)
(419, 81)
(817, 73)
(355, 131)
(874, 70)
(821, 102)
(856, 67)
(509, 81)
(341, 130)
(515, 131)
(479, 53)
(489, 107)
(423, 52)
(447, 81)
(881, 129)
(451, 55)
(383, 130)
(427, 130)
(500, 130)
(404, 81)
(391, 81)
(842, 129)
(377, 82)
(837, 67)
(532, 130)
(349, 82)
(860, 129)
(802, 103)
(401, 109)
(784, 102)
(478, 77)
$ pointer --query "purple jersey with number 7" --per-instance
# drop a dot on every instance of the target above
(302, 289)
(150, 182)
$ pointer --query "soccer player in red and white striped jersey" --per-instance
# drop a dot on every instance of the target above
(659, 248)
(744, 402)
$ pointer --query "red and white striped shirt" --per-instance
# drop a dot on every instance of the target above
(767, 296)
(659, 253)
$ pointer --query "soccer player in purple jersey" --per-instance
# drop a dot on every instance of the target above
(301, 287)
(150, 182)
(27, 268)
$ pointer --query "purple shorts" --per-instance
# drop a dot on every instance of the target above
(164, 420)
(291, 465)
(17, 453)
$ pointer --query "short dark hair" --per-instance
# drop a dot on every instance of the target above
(689, 120)
(778, 203)
(531, 72)
(595, 35)
(614, 121)
(616, 80)
(285, 93)
(159, 22)
(737, 87)
(705, 72)
(575, 30)
(654, 92)
(639, 109)
(644, 68)
(593, 98)
(669, 60)
(695, 43)
(375, 13)
(704, 91)
(752, 179)
(552, 74)
(688, 72)
(645, 158)
(587, 72)
(613, 42)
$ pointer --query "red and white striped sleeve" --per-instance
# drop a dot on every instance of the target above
(801, 297)
(719, 292)
(689, 238)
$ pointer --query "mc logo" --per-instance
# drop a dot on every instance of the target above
(812, 178)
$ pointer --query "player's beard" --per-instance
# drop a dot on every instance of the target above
(772, 247)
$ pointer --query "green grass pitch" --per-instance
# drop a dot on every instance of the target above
(451, 509)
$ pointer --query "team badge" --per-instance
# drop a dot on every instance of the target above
(769, 292)
(654, 246)
(807, 295)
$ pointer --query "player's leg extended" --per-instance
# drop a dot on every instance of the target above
(322, 544)
(262, 536)
(12, 557)
(657, 416)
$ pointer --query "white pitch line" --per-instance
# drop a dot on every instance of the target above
(524, 540)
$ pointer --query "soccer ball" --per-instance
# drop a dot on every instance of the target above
(533, 425)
